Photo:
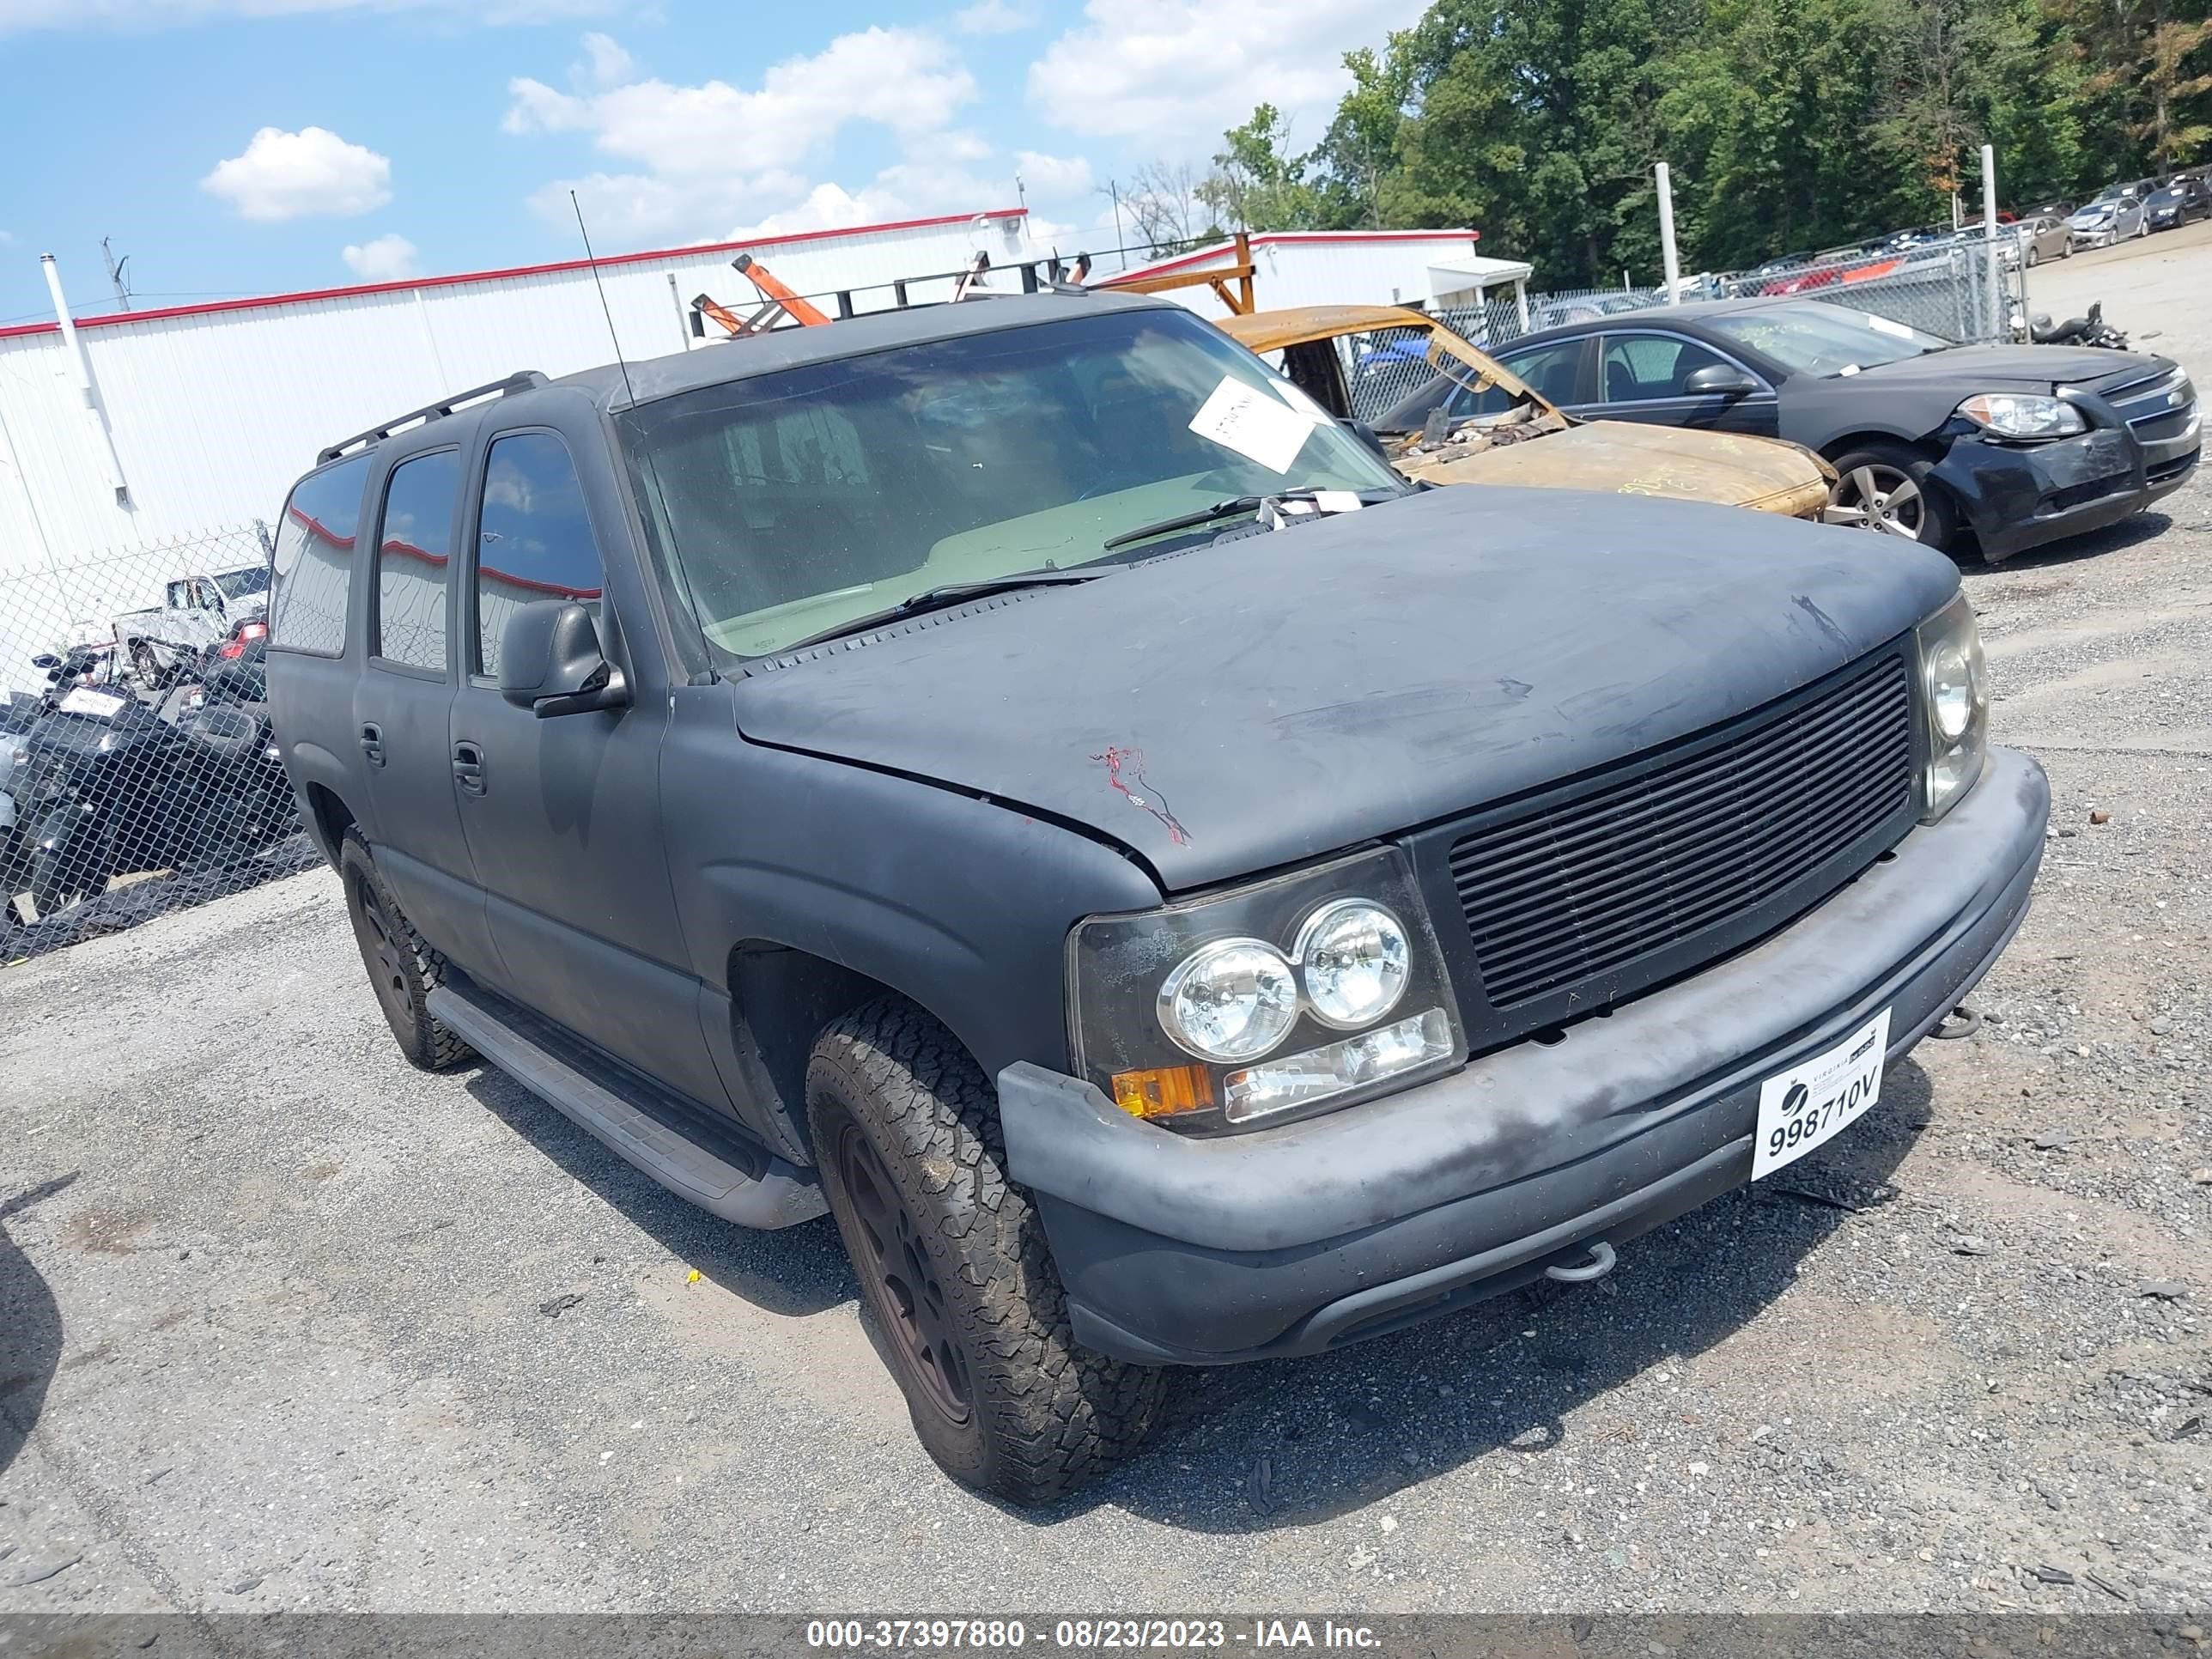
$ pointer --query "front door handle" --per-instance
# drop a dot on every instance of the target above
(372, 742)
(468, 768)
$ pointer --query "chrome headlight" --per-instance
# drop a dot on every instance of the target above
(2010, 415)
(1954, 700)
(1314, 989)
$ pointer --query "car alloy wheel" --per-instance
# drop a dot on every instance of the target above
(1878, 496)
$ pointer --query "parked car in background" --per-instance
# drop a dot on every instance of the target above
(1574, 308)
(2178, 201)
(1194, 900)
(1490, 426)
(195, 611)
(2115, 216)
(2013, 446)
(2043, 236)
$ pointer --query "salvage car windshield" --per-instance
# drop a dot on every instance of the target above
(1813, 336)
(792, 503)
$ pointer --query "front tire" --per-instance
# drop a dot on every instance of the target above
(953, 1265)
(1888, 487)
(403, 969)
(71, 873)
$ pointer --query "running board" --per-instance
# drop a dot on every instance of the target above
(761, 1191)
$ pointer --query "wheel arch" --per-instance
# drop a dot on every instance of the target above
(781, 999)
(327, 818)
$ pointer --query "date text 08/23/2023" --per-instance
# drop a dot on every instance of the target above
(1084, 1634)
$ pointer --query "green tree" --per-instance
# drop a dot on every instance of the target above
(1257, 183)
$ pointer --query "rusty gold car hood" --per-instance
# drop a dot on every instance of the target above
(1630, 458)
(1622, 456)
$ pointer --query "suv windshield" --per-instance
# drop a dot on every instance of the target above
(1813, 336)
(791, 503)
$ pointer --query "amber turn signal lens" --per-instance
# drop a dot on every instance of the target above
(1168, 1091)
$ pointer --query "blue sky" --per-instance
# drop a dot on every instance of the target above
(259, 146)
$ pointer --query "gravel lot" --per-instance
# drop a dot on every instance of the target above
(286, 1324)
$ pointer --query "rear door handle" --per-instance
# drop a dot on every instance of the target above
(468, 769)
(372, 743)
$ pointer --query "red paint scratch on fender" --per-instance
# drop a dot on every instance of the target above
(1125, 768)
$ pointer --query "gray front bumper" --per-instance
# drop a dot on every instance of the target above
(1293, 1240)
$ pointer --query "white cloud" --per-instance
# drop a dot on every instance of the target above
(21, 15)
(994, 17)
(291, 175)
(610, 64)
(1055, 178)
(391, 258)
(1179, 73)
(697, 158)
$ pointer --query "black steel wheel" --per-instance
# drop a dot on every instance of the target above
(403, 969)
(953, 1265)
(896, 1266)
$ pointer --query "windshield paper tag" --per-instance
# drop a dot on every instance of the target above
(86, 700)
(1885, 326)
(1256, 426)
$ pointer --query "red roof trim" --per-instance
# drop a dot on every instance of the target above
(1270, 238)
(214, 307)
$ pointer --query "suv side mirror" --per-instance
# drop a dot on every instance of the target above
(550, 662)
(1719, 380)
(45, 660)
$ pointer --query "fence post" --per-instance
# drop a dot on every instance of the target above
(1672, 260)
(1997, 330)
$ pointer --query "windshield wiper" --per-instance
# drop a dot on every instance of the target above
(950, 594)
(1235, 505)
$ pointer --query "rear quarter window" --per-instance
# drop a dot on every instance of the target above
(313, 560)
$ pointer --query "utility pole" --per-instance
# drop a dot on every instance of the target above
(1672, 263)
(1120, 242)
(115, 273)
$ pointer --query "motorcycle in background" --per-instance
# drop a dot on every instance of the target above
(2090, 330)
(104, 784)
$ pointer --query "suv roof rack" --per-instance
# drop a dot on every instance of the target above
(526, 381)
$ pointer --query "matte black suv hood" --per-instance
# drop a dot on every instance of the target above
(1237, 707)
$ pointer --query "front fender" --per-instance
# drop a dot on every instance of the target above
(960, 905)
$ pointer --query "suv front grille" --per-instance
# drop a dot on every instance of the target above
(1634, 872)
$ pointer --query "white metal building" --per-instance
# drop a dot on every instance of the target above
(212, 410)
(1425, 268)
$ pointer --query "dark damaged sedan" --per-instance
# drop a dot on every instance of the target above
(1017, 776)
(2000, 447)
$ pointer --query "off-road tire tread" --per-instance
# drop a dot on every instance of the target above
(1054, 1414)
(436, 1047)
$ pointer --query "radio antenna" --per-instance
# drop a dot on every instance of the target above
(592, 260)
(653, 473)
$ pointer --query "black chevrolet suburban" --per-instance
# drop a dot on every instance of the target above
(1017, 775)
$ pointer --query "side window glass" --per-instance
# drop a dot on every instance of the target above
(313, 564)
(1551, 369)
(1640, 368)
(414, 545)
(534, 538)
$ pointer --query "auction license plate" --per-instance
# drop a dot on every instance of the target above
(1816, 1099)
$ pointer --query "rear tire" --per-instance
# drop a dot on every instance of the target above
(952, 1263)
(403, 969)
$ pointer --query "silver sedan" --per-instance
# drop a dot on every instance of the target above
(2044, 237)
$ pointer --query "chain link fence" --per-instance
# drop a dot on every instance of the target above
(1940, 286)
(137, 769)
